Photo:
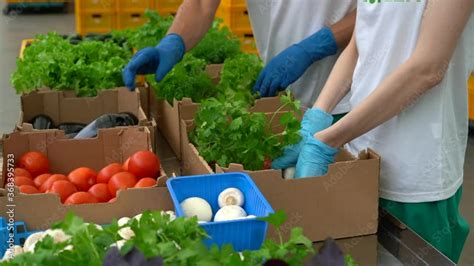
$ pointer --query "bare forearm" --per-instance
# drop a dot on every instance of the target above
(400, 90)
(440, 31)
(193, 20)
(343, 29)
(340, 79)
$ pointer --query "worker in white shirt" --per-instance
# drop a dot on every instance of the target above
(299, 40)
(407, 66)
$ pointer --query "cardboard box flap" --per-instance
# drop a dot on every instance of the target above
(40, 211)
(65, 107)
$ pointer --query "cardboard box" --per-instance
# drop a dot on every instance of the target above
(39, 211)
(343, 203)
(65, 107)
(168, 116)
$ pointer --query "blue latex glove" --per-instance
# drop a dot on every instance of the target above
(314, 159)
(314, 120)
(288, 66)
(157, 60)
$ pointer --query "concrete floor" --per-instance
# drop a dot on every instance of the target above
(13, 29)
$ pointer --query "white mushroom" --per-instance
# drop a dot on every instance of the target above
(126, 233)
(119, 244)
(12, 252)
(58, 235)
(231, 196)
(31, 241)
(171, 214)
(96, 226)
(289, 173)
(197, 207)
(69, 248)
(137, 217)
(123, 221)
(231, 212)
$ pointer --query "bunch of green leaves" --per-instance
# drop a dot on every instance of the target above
(238, 77)
(187, 79)
(217, 45)
(149, 34)
(227, 132)
(51, 61)
(178, 242)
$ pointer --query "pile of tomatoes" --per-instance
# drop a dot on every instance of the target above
(84, 185)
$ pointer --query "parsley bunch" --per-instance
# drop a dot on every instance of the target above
(238, 77)
(51, 61)
(226, 132)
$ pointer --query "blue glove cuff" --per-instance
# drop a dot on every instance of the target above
(325, 149)
(319, 45)
(175, 42)
(315, 120)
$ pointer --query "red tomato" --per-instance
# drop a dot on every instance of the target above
(23, 180)
(146, 182)
(27, 189)
(39, 180)
(80, 197)
(125, 164)
(121, 181)
(100, 192)
(22, 172)
(112, 200)
(144, 164)
(34, 162)
(63, 188)
(49, 182)
(83, 178)
(107, 172)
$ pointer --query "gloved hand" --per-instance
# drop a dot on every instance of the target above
(314, 120)
(291, 64)
(315, 157)
(157, 60)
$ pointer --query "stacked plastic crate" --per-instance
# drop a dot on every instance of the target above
(235, 16)
(95, 16)
(130, 13)
(103, 16)
(167, 7)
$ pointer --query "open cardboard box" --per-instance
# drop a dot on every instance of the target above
(168, 116)
(66, 107)
(39, 211)
(343, 203)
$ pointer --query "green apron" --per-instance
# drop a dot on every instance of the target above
(439, 223)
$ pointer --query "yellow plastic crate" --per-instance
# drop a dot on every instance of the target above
(247, 41)
(236, 18)
(130, 19)
(95, 22)
(95, 6)
(233, 3)
(25, 43)
(167, 7)
(125, 6)
(471, 97)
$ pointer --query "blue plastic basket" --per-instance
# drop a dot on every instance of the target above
(19, 231)
(244, 234)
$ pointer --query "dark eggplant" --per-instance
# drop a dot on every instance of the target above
(71, 128)
(329, 255)
(133, 258)
(107, 121)
(42, 122)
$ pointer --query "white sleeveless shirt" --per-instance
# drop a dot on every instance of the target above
(422, 148)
